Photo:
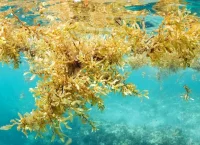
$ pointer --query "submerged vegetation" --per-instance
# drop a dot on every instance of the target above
(79, 51)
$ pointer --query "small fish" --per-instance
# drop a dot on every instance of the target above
(29, 79)
(26, 73)
(32, 77)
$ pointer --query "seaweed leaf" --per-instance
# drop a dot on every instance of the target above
(6, 127)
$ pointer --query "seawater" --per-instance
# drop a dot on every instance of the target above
(164, 119)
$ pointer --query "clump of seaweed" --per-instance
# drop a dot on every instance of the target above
(75, 70)
(176, 43)
(10, 43)
(79, 51)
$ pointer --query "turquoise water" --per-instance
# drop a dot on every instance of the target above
(164, 119)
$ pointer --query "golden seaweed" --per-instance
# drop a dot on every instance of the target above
(79, 51)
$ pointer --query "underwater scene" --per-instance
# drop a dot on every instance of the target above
(90, 72)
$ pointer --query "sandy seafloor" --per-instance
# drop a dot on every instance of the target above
(164, 119)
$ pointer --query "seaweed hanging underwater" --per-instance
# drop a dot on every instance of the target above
(79, 55)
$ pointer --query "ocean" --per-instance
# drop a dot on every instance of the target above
(166, 118)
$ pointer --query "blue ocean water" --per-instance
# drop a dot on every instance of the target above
(164, 119)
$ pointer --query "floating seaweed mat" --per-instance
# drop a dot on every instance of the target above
(77, 67)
